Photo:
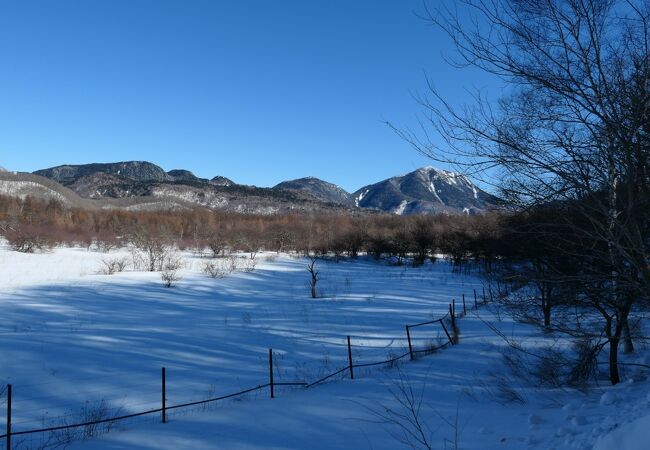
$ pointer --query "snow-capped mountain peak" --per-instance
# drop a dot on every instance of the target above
(425, 190)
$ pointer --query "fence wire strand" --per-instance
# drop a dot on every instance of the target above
(111, 420)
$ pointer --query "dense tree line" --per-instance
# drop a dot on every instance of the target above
(30, 223)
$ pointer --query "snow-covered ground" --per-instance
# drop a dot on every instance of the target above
(73, 341)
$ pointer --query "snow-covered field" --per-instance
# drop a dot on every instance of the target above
(74, 342)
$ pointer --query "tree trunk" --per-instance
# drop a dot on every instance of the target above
(628, 345)
(614, 341)
(546, 306)
(613, 360)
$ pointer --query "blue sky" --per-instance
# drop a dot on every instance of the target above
(258, 91)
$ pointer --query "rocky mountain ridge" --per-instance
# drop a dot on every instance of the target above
(424, 191)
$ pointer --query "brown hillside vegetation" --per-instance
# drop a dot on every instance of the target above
(49, 223)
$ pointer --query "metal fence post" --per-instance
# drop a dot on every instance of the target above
(164, 395)
(451, 341)
(8, 417)
(350, 359)
(271, 372)
(408, 336)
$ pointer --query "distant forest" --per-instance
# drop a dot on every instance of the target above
(45, 224)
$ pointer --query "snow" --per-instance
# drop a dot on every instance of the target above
(22, 189)
(608, 398)
(205, 198)
(449, 177)
(360, 197)
(401, 208)
(631, 436)
(432, 188)
(71, 336)
(24, 270)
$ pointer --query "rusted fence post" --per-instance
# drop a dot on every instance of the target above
(164, 395)
(408, 337)
(350, 359)
(271, 372)
(8, 417)
(464, 307)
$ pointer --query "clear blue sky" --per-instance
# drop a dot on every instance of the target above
(258, 91)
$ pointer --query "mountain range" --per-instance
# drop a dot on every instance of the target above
(144, 185)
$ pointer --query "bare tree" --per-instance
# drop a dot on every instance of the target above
(423, 238)
(152, 244)
(251, 244)
(281, 239)
(573, 128)
(314, 274)
(216, 243)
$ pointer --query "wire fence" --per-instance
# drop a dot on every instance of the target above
(90, 428)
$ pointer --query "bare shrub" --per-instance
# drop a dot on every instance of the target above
(198, 249)
(453, 328)
(113, 265)
(553, 366)
(432, 346)
(105, 245)
(138, 261)
(89, 414)
(232, 264)
(404, 422)
(502, 389)
(550, 367)
(170, 270)
(507, 392)
(27, 239)
(585, 365)
(391, 360)
(220, 268)
(249, 265)
(214, 269)
(546, 367)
